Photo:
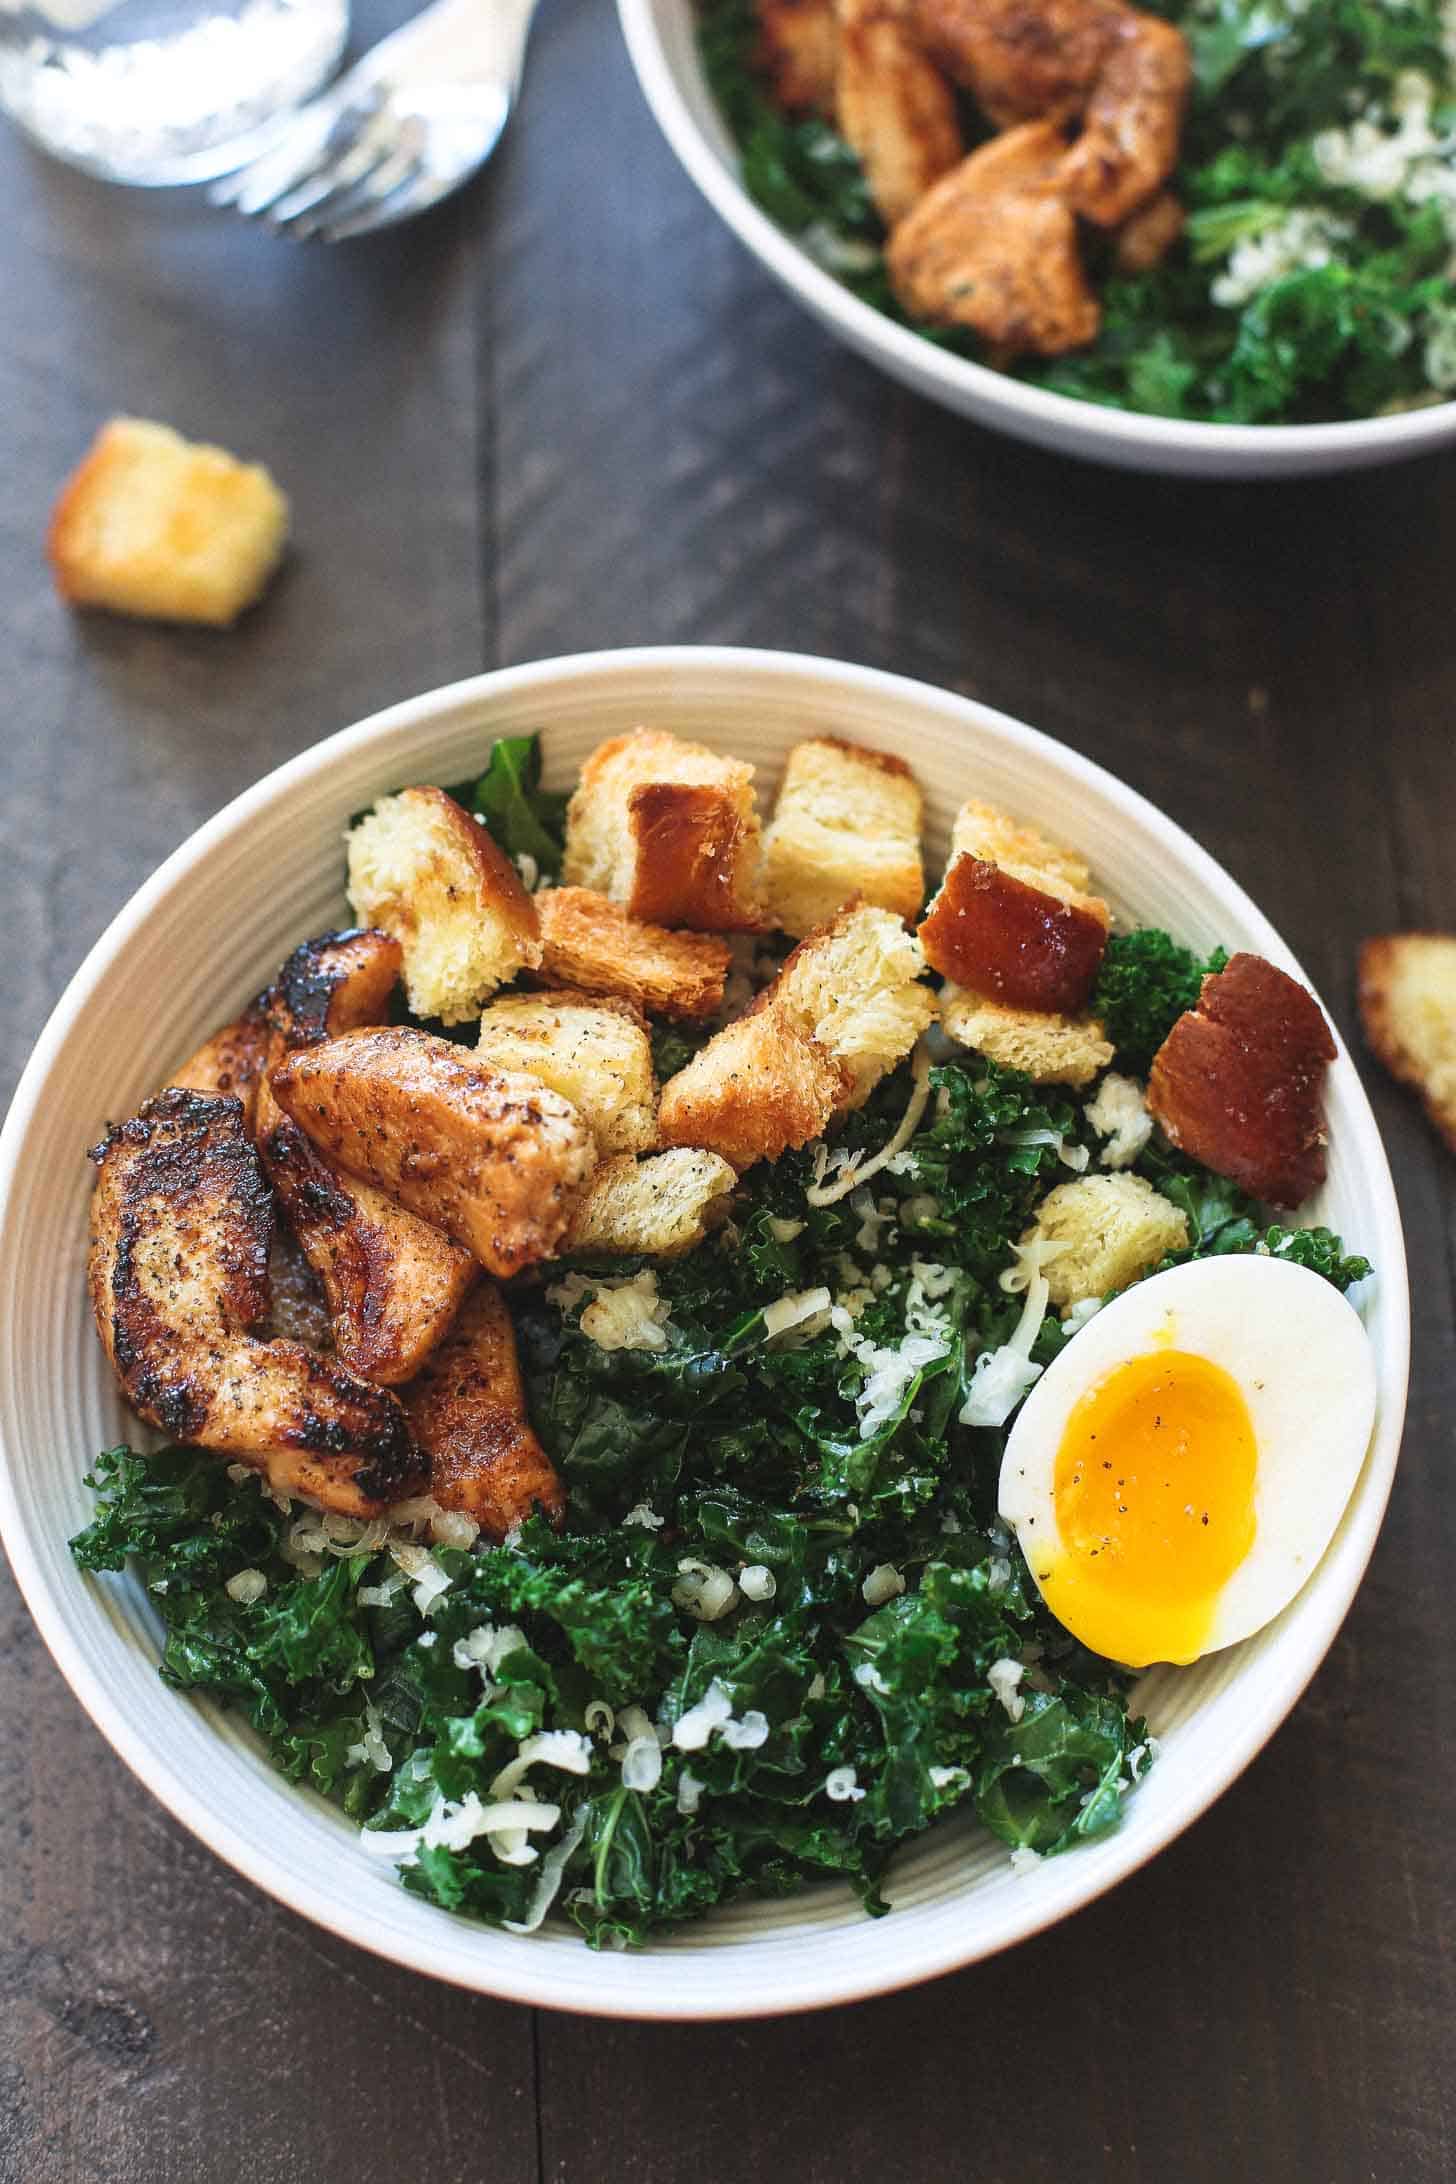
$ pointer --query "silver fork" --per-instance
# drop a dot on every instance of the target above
(404, 127)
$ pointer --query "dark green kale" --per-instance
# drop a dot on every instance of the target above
(1223, 1220)
(526, 820)
(1145, 984)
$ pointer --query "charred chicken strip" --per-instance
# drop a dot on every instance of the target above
(994, 248)
(467, 1411)
(181, 1222)
(490, 1155)
(393, 1282)
(894, 107)
(1128, 145)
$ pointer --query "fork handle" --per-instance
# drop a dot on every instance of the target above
(456, 41)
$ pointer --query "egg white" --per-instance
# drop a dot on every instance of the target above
(1305, 1368)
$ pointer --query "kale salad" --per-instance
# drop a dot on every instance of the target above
(781, 1629)
(1312, 280)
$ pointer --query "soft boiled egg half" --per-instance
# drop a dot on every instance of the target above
(1178, 1471)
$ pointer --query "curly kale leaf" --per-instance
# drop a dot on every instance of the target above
(1223, 1220)
(1144, 985)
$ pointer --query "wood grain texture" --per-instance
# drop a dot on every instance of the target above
(571, 412)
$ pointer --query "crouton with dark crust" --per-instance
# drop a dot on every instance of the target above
(1239, 1081)
(669, 829)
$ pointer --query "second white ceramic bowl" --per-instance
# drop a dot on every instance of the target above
(662, 40)
(203, 935)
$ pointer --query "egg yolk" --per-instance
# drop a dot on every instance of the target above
(1154, 1495)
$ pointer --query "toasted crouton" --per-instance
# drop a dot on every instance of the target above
(1113, 1229)
(669, 829)
(591, 1049)
(155, 525)
(592, 944)
(754, 1091)
(1408, 1008)
(1048, 1048)
(795, 54)
(855, 988)
(846, 1006)
(662, 1206)
(1239, 1081)
(424, 870)
(847, 823)
(1013, 919)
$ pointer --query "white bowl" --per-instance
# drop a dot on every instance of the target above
(202, 936)
(662, 40)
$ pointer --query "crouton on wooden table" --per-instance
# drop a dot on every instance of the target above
(669, 829)
(1239, 1081)
(661, 1206)
(847, 823)
(1408, 1009)
(591, 943)
(1112, 1229)
(845, 1008)
(426, 871)
(592, 1049)
(154, 525)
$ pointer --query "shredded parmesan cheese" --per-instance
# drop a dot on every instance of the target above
(828, 1194)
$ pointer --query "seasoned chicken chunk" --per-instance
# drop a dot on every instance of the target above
(232, 1060)
(393, 1282)
(489, 1155)
(468, 1412)
(795, 54)
(895, 108)
(1125, 73)
(181, 1223)
(993, 248)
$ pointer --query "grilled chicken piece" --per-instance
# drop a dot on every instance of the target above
(1128, 146)
(393, 1283)
(894, 107)
(1145, 239)
(795, 54)
(467, 1410)
(1124, 72)
(994, 248)
(181, 1223)
(232, 1060)
(490, 1155)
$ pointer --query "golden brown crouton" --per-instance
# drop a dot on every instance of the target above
(754, 1091)
(1013, 920)
(1048, 1048)
(1408, 1008)
(592, 944)
(592, 1049)
(426, 871)
(847, 823)
(662, 1206)
(1113, 1228)
(846, 1006)
(895, 109)
(1239, 1081)
(669, 829)
(152, 524)
(795, 54)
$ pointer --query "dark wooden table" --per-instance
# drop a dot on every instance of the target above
(570, 412)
